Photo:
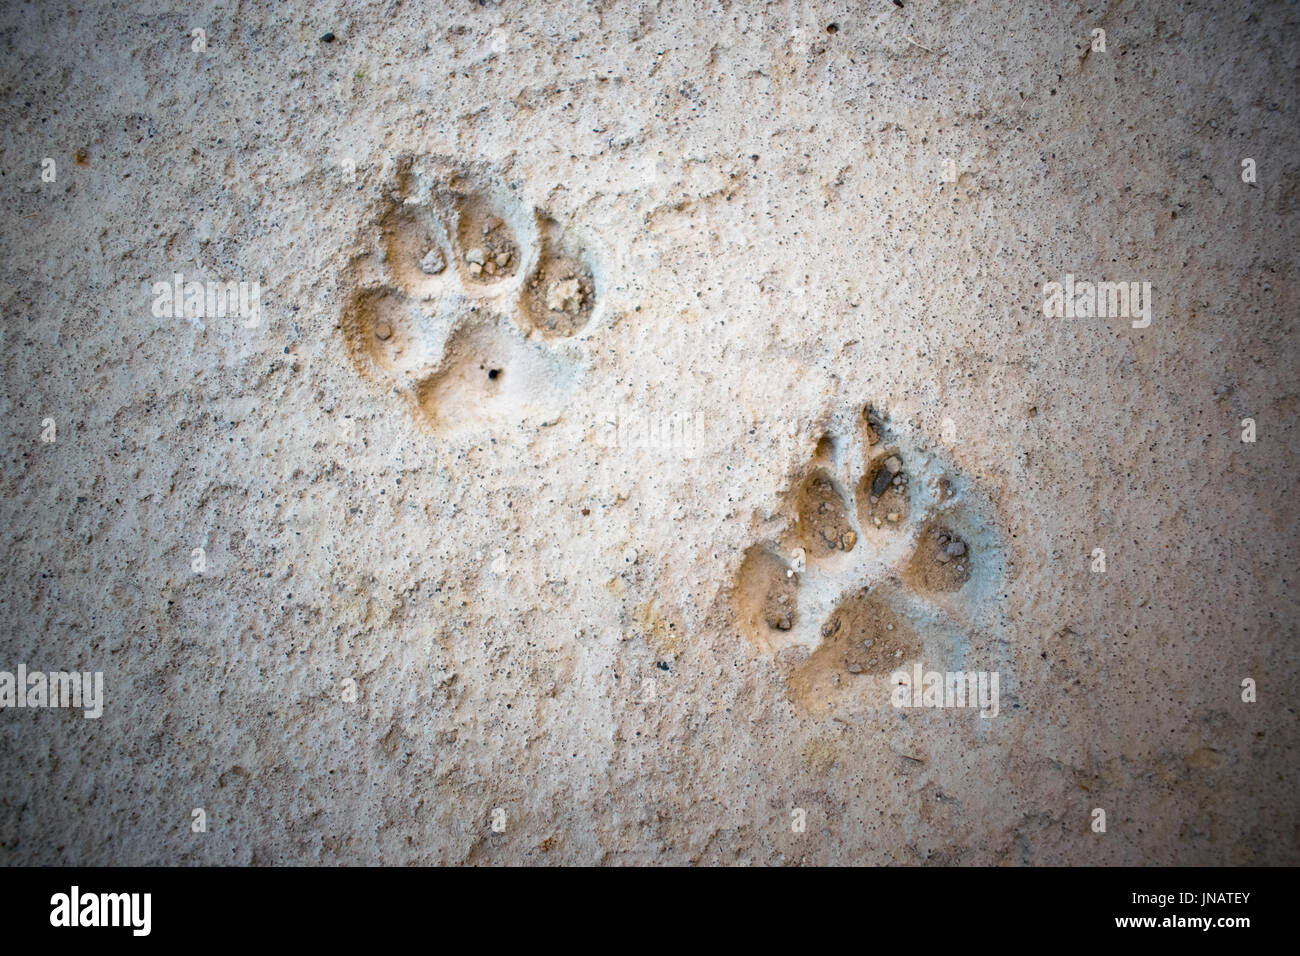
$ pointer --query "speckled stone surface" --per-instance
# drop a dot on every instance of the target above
(583, 609)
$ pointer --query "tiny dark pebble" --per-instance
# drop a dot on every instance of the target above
(881, 481)
(494, 373)
(329, 37)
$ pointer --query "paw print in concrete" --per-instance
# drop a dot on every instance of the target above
(884, 554)
(462, 297)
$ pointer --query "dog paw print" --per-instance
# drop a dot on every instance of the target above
(883, 556)
(461, 296)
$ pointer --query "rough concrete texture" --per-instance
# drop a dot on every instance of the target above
(611, 604)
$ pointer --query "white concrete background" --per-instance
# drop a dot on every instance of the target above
(774, 244)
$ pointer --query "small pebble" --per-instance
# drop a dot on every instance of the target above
(433, 262)
(475, 269)
(327, 38)
(383, 331)
(892, 516)
(503, 259)
(855, 668)
(955, 549)
(476, 255)
(894, 464)
(564, 296)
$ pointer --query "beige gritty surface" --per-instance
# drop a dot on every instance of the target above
(726, 232)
